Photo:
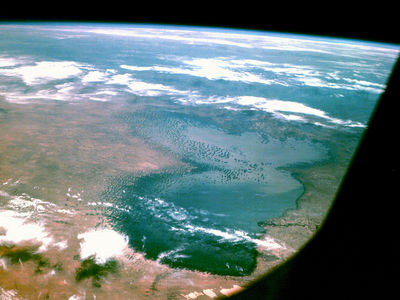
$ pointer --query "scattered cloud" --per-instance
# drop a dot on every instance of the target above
(278, 108)
(44, 71)
(77, 82)
(209, 68)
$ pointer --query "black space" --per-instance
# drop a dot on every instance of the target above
(354, 255)
(361, 20)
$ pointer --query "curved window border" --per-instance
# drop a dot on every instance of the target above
(353, 253)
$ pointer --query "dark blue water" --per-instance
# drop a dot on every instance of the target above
(202, 225)
(205, 215)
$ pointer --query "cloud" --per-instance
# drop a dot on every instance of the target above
(76, 89)
(94, 76)
(209, 68)
(144, 88)
(104, 244)
(19, 229)
(278, 108)
(44, 71)
(366, 85)
(7, 62)
(77, 78)
(248, 39)
(184, 36)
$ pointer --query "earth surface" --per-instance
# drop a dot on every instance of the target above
(170, 162)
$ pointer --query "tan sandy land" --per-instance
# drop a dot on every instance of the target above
(64, 154)
(75, 146)
(137, 278)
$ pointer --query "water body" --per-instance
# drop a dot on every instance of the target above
(209, 210)
(232, 112)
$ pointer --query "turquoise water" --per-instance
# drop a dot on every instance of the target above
(235, 108)
(210, 212)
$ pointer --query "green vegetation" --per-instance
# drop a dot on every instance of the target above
(89, 268)
(19, 255)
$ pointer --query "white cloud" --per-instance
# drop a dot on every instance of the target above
(352, 85)
(7, 62)
(61, 92)
(95, 76)
(120, 79)
(209, 68)
(68, 91)
(44, 71)
(184, 36)
(248, 39)
(290, 117)
(276, 107)
(104, 244)
(145, 88)
(279, 105)
(150, 89)
(365, 85)
(261, 40)
(309, 76)
(318, 82)
(237, 235)
(18, 229)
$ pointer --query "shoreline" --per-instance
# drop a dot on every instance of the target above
(297, 226)
(293, 228)
(46, 263)
(152, 276)
(138, 276)
(312, 206)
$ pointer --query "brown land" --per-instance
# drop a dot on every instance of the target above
(71, 145)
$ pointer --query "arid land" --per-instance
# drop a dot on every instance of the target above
(53, 161)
